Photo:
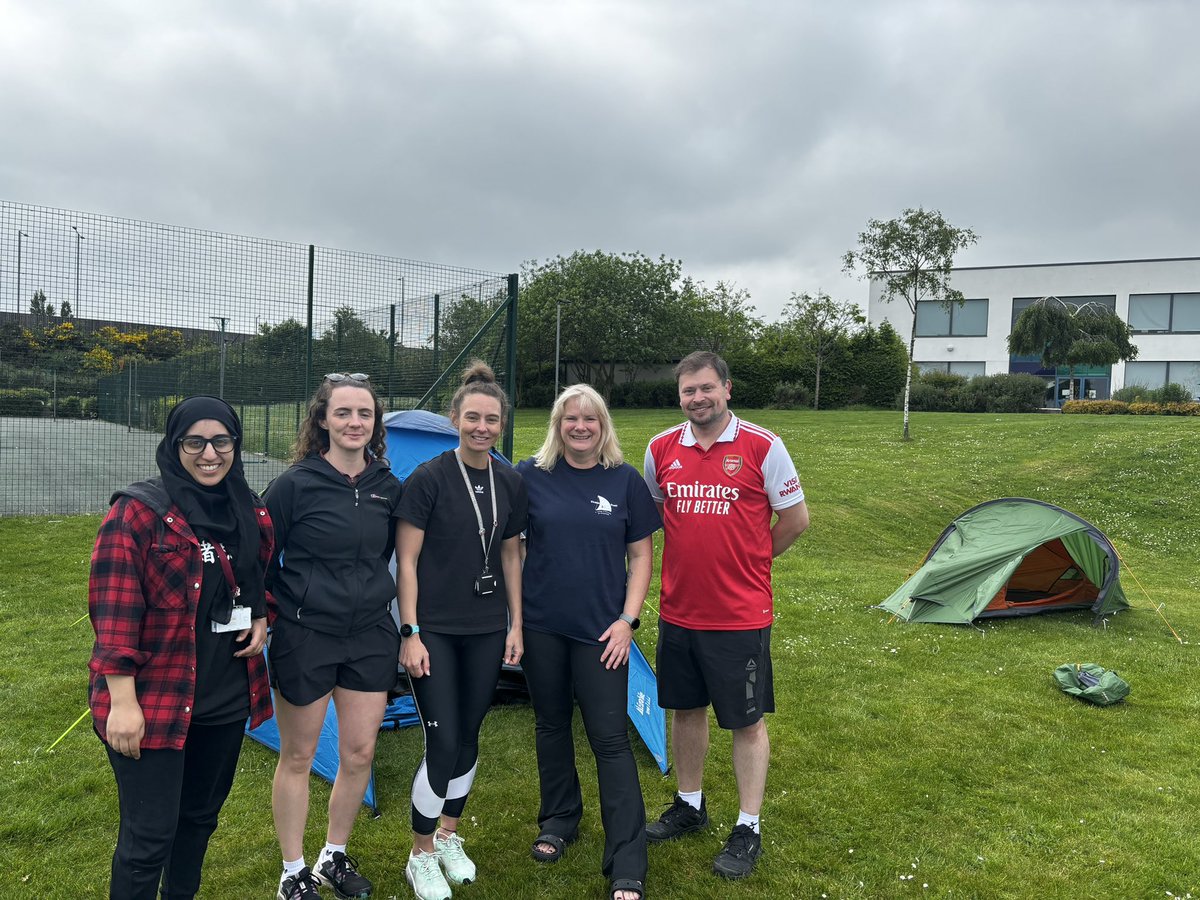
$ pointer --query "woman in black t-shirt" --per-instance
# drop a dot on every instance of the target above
(459, 583)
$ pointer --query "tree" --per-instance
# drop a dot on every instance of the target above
(913, 257)
(1065, 334)
(65, 312)
(723, 319)
(40, 308)
(820, 326)
(617, 309)
(464, 319)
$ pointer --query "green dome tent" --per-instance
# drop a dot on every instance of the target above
(1012, 557)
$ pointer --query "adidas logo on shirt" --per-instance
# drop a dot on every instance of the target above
(675, 465)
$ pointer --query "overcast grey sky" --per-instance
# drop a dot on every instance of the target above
(751, 140)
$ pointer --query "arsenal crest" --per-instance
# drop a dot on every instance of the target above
(731, 465)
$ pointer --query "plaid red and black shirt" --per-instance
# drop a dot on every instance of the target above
(142, 598)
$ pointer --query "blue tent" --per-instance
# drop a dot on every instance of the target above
(416, 435)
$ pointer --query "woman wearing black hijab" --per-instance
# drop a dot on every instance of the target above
(177, 602)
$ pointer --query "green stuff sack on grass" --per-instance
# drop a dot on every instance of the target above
(1092, 683)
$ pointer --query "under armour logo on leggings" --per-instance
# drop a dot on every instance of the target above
(431, 724)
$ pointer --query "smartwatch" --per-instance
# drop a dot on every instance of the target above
(409, 630)
(632, 621)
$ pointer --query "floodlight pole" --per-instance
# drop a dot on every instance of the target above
(20, 234)
(221, 376)
(78, 242)
(557, 341)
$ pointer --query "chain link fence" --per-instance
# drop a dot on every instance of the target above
(105, 323)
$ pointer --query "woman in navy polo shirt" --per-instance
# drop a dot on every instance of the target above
(587, 569)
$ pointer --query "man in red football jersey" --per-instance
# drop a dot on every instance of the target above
(719, 481)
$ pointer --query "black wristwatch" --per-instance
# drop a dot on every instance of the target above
(409, 630)
(632, 621)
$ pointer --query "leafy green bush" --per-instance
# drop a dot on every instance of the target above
(537, 395)
(645, 395)
(91, 407)
(70, 408)
(791, 395)
(1003, 393)
(1173, 393)
(23, 401)
(1133, 393)
(1168, 393)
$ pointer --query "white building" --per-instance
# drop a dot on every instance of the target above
(1160, 298)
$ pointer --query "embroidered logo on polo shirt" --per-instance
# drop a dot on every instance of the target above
(675, 465)
(603, 506)
(732, 464)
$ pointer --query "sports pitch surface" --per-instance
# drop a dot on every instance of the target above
(72, 466)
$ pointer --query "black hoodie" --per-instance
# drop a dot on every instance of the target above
(333, 543)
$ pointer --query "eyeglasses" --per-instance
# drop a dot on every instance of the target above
(193, 445)
(339, 377)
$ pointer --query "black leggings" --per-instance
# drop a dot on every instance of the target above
(169, 804)
(452, 701)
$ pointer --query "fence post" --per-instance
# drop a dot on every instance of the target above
(391, 357)
(437, 317)
(511, 363)
(309, 360)
(267, 431)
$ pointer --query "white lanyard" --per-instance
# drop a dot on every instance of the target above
(487, 548)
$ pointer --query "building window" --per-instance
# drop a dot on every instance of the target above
(968, 320)
(1108, 301)
(1164, 313)
(1152, 374)
(966, 369)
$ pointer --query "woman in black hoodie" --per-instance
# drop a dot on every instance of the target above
(335, 518)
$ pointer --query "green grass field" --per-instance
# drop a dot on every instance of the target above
(907, 760)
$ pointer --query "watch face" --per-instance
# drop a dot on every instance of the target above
(406, 631)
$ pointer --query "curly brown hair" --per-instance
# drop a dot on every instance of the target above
(313, 438)
(478, 378)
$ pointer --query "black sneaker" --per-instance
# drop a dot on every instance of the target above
(300, 886)
(340, 872)
(740, 853)
(680, 818)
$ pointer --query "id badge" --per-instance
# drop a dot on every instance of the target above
(239, 621)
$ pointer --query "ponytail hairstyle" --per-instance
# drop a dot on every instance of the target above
(478, 378)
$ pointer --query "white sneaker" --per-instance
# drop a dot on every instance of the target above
(425, 877)
(453, 858)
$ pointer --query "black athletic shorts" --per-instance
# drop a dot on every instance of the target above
(729, 670)
(305, 665)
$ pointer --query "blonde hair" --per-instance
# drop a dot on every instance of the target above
(590, 401)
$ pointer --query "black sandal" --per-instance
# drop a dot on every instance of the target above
(627, 884)
(550, 856)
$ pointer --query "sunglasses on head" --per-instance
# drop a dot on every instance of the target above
(193, 445)
(339, 377)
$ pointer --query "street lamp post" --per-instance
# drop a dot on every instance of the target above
(557, 341)
(221, 375)
(78, 241)
(20, 234)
